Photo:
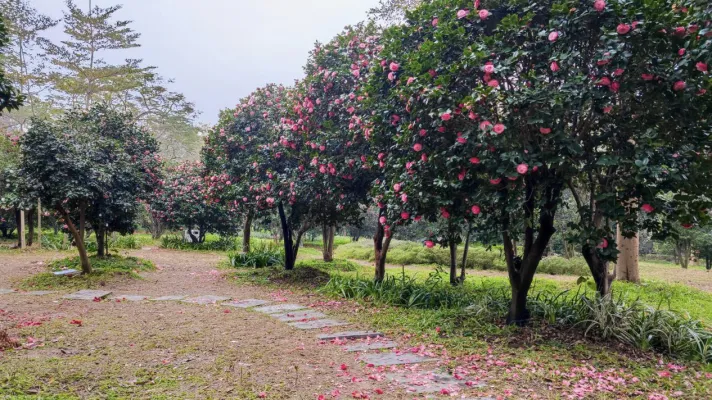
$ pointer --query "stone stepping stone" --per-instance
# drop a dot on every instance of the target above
(129, 297)
(205, 300)
(248, 303)
(366, 346)
(299, 316)
(350, 335)
(279, 308)
(6, 291)
(169, 298)
(380, 359)
(39, 292)
(66, 272)
(428, 382)
(318, 324)
(87, 295)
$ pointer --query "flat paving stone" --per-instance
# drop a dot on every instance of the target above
(350, 335)
(299, 315)
(279, 308)
(87, 295)
(39, 292)
(427, 382)
(67, 272)
(379, 359)
(248, 303)
(205, 300)
(318, 324)
(366, 346)
(169, 298)
(6, 291)
(129, 297)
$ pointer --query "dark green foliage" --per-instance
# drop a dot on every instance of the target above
(261, 256)
(177, 243)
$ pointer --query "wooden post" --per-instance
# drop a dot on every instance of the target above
(39, 223)
(22, 229)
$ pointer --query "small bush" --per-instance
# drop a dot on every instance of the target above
(336, 265)
(50, 241)
(218, 244)
(260, 256)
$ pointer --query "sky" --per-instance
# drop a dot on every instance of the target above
(219, 51)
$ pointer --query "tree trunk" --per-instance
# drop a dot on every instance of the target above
(381, 242)
(18, 223)
(599, 270)
(247, 233)
(29, 221)
(289, 259)
(453, 262)
(297, 243)
(100, 241)
(193, 239)
(464, 255)
(627, 265)
(518, 313)
(708, 263)
(327, 235)
(79, 239)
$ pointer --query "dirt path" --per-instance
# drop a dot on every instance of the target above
(167, 349)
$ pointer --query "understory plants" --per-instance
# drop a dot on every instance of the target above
(262, 255)
(631, 322)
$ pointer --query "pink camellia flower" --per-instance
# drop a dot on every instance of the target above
(618, 72)
(702, 67)
(687, 226)
(622, 29)
(545, 131)
(410, 80)
(417, 147)
(394, 67)
(397, 187)
(599, 5)
(228, 183)
(615, 87)
(461, 139)
(355, 72)
(499, 129)
(553, 36)
(522, 168)
(484, 125)
(488, 68)
(423, 132)
(444, 213)
(647, 208)
(483, 14)
(429, 244)
(382, 220)
(681, 52)
(404, 198)
(647, 77)
(476, 210)
(462, 14)
(678, 86)
(604, 244)
(446, 116)
(391, 76)
(405, 215)
(554, 66)
(435, 22)
(493, 83)
(605, 81)
(496, 181)
(474, 160)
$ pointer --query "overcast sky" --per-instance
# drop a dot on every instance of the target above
(219, 51)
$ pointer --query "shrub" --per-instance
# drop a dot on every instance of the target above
(633, 323)
(220, 244)
(478, 257)
(260, 256)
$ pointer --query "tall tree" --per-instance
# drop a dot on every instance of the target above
(84, 75)
(24, 61)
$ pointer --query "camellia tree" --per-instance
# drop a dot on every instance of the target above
(551, 96)
(80, 166)
(188, 199)
(236, 146)
(336, 138)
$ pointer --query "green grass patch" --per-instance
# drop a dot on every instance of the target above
(104, 269)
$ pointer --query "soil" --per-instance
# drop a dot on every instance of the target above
(113, 349)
